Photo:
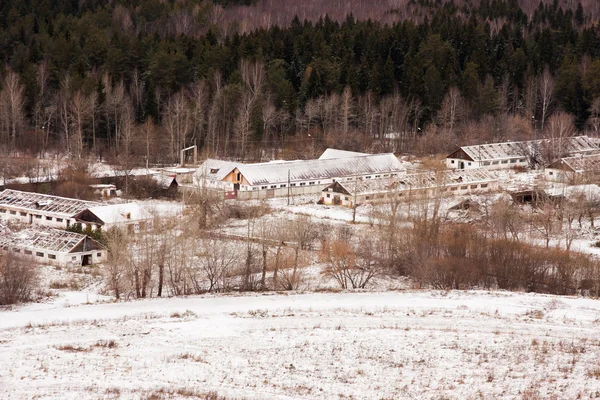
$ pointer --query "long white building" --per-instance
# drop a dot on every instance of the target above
(36, 209)
(410, 186)
(40, 209)
(282, 178)
(519, 154)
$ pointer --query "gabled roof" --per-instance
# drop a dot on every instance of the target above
(164, 181)
(499, 151)
(421, 180)
(216, 169)
(335, 153)
(49, 239)
(43, 202)
(303, 170)
(114, 214)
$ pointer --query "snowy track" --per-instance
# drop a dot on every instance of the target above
(425, 345)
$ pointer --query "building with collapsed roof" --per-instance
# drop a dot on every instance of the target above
(54, 246)
(520, 154)
(40, 209)
(574, 170)
(284, 178)
(410, 186)
(29, 208)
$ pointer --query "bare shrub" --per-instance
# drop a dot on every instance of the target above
(349, 267)
(18, 279)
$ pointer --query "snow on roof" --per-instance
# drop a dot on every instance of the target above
(583, 163)
(304, 170)
(43, 202)
(120, 213)
(43, 239)
(216, 169)
(178, 170)
(421, 180)
(102, 186)
(498, 151)
(335, 153)
(164, 181)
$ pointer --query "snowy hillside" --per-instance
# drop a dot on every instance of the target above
(393, 345)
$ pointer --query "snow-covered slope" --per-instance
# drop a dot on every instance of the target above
(392, 345)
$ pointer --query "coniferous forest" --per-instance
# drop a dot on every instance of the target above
(141, 79)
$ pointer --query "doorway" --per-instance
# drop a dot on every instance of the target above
(86, 260)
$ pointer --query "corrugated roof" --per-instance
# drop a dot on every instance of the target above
(305, 170)
(498, 151)
(42, 202)
(335, 153)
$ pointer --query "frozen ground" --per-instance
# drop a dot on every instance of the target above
(392, 345)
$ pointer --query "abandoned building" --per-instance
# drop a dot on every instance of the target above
(291, 178)
(406, 187)
(129, 216)
(40, 209)
(574, 170)
(54, 246)
(520, 154)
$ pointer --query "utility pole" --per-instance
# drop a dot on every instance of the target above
(355, 196)
(289, 186)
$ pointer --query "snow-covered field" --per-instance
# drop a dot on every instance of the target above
(372, 345)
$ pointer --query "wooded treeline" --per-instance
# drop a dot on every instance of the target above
(142, 79)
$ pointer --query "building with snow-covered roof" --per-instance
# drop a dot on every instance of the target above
(574, 170)
(129, 216)
(519, 154)
(409, 186)
(54, 246)
(105, 190)
(283, 178)
(335, 153)
(40, 209)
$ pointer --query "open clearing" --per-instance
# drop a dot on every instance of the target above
(423, 344)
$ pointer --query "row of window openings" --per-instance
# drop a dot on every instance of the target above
(512, 161)
(23, 214)
(50, 256)
(345, 198)
(453, 188)
(312, 183)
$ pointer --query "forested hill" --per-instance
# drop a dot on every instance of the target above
(143, 78)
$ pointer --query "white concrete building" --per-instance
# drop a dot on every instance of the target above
(54, 246)
(40, 209)
(129, 216)
(574, 170)
(410, 186)
(519, 154)
(299, 177)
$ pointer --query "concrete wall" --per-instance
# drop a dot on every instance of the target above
(279, 192)
(455, 163)
(450, 190)
(41, 256)
(40, 218)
